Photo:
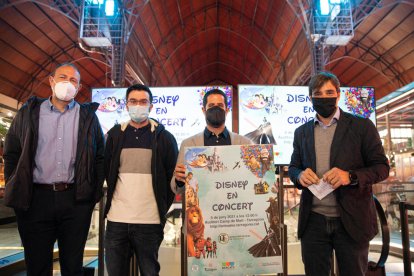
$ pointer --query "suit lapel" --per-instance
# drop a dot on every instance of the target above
(310, 144)
(199, 139)
(337, 142)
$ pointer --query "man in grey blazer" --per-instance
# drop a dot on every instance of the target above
(215, 134)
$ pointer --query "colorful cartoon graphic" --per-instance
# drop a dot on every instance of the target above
(209, 248)
(226, 210)
(270, 244)
(274, 106)
(111, 104)
(285, 109)
(191, 190)
(195, 229)
(360, 101)
(263, 134)
(257, 101)
(214, 249)
(257, 158)
(201, 160)
(226, 89)
(197, 246)
(261, 188)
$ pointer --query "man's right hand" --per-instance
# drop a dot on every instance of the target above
(179, 172)
(308, 177)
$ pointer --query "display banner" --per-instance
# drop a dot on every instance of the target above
(270, 114)
(177, 108)
(232, 224)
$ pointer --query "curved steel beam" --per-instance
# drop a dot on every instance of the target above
(214, 28)
(363, 62)
(370, 49)
(15, 3)
(187, 61)
(193, 14)
(394, 3)
(377, 56)
(214, 63)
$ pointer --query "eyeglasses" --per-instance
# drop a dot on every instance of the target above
(138, 102)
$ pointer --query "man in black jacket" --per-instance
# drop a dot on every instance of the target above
(140, 157)
(54, 155)
(344, 153)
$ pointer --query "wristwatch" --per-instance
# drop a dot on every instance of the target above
(353, 178)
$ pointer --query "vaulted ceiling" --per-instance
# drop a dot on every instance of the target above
(201, 42)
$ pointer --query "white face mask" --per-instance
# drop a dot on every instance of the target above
(138, 113)
(65, 91)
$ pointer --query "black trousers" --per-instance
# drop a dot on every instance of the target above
(321, 237)
(121, 239)
(54, 216)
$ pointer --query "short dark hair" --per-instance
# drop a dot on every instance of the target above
(139, 87)
(214, 91)
(318, 80)
(66, 64)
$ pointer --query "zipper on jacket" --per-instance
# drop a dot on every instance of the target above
(154, 156)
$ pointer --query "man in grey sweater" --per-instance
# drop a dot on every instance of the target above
(343, 152)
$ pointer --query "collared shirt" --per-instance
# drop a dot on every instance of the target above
(211, 139)
(57, 144)
(137, 137)
(334, 119)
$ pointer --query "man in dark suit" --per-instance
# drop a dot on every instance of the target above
(346, 152)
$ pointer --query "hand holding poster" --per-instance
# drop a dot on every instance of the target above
(232, 223)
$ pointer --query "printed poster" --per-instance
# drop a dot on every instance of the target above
(270, 114)
(232, 222)
(179, 109)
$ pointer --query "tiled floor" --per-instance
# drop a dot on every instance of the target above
(169, 256)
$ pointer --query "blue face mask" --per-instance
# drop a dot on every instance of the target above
(138, 113)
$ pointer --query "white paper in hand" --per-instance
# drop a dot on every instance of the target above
(321, 189)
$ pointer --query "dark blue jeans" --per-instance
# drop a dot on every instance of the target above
(321, 237)
(54, 216)
(122, 239)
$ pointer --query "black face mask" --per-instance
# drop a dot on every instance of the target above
(324, 106)
(215, 116)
